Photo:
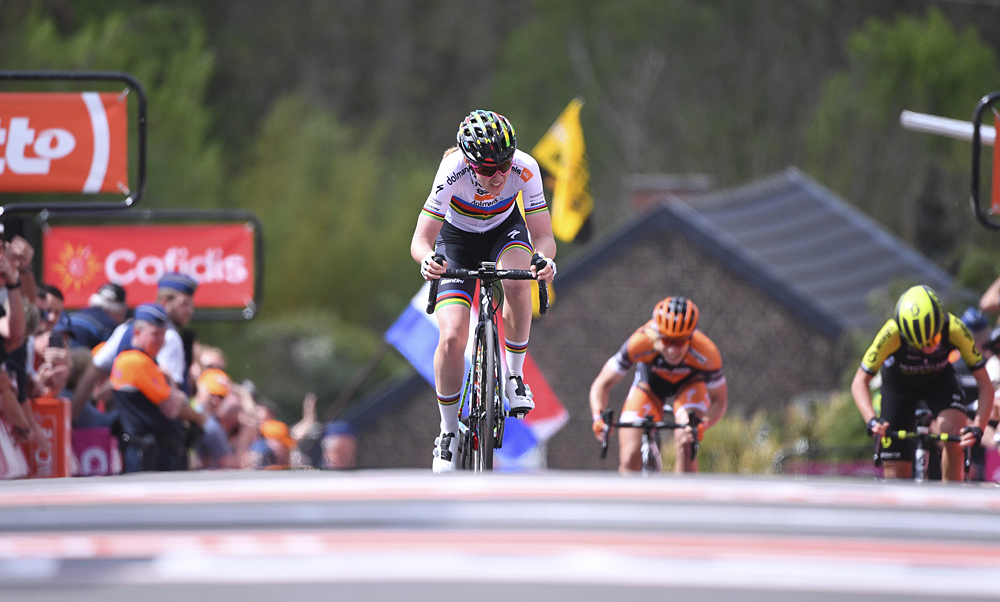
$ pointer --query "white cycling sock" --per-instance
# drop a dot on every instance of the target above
(514, 353)
(448, 406)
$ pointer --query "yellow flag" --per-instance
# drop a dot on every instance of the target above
(562, 153)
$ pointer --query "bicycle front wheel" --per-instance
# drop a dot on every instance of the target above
(488, 424)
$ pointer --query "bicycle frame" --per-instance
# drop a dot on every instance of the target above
(483, 430)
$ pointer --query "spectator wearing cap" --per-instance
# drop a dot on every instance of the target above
(977, 323)
(274, 447)
(149, 408)
(339, 445)
(170, 357)
(175, 292)
(210, 389)
(214, 450)
(94, 325)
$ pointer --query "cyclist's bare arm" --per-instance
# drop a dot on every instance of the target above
(986, 392)
(719, 396)
(990, 300)
(540, 227)
(422, 244)
(600, 389)
(863, 399)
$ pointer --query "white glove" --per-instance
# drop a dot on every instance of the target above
(425, 267)
(548, 262)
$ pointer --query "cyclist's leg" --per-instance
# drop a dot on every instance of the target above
(692, 399)
(947, 404)
(454, 301)
(449, 363)
(512, 250)
(897, 408)
(952, 455)
(641, 402)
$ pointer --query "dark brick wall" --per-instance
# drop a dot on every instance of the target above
(402, 437)
(769, 355)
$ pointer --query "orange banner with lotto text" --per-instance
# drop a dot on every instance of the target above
(79, 259)
(63, 142)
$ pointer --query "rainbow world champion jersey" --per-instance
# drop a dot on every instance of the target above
(457, 198)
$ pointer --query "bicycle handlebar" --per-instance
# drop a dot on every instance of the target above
(904, 435)
(491, 274)
(649, 426)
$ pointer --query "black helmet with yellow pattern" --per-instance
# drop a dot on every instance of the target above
(486, 138)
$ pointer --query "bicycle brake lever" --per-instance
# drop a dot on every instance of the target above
(432, 296)
(607, 416)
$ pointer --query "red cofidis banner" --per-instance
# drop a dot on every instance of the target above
(79, 259)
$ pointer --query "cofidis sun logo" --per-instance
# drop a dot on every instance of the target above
(76, 268)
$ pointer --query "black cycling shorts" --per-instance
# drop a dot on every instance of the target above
(468, 249)
(899, 406)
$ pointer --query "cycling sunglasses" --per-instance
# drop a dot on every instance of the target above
(675, 341)
(490, 170)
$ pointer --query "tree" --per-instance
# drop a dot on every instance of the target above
(858, 148)
(165, 49)
(338, 214)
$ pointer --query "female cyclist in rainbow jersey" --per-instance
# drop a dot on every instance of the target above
(471, 216)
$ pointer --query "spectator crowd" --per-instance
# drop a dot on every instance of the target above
(139, 377)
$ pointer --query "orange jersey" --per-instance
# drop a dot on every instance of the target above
(140, 387)
(133, 370)
(702, 362)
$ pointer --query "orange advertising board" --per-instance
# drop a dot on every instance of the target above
(79, 259)
(63, 142)
(54, 417)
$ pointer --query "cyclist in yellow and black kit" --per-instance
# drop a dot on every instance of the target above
(912, 352)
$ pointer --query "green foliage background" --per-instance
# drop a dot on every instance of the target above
(328, 119)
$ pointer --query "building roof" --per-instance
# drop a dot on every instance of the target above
(790, 236)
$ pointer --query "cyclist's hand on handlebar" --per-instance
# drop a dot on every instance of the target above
(543, 268)
(430, 269)
(877, 427)
(686, 435)
(599, 428)
(971, 435)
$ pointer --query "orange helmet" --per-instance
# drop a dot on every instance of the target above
(676, 317)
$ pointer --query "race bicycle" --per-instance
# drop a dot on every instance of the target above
(481, 429)
(650, 437)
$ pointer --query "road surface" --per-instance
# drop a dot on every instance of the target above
(410, 535)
